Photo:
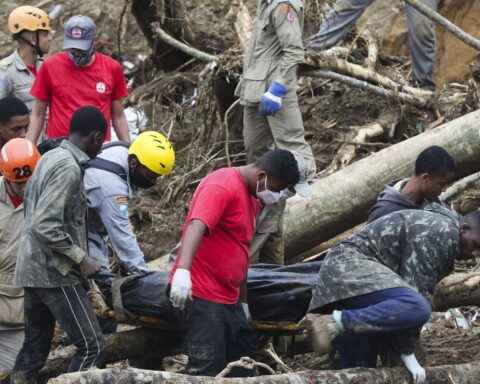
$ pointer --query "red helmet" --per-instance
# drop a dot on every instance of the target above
(18, 159)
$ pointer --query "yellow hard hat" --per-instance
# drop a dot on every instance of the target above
(154, 151)
(28, 18)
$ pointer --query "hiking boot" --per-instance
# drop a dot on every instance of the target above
(321, 330)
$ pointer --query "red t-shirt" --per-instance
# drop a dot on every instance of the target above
(68, 87)
(33, 70)
(15, 200)
(223, 203)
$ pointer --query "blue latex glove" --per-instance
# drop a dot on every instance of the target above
(272, 100)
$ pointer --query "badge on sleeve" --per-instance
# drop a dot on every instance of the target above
(123, 206)
(290, 16)
(284, 8)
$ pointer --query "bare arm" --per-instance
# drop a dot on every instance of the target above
(37, 118)
(191, 242)
(119, 121)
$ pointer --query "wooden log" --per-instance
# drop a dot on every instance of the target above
(137, 343)
(457, 290)
(460, 186)
(242, 22)
(462, 373)
(341, 201)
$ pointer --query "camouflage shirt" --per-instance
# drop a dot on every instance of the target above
(409, 248)
(54, 237)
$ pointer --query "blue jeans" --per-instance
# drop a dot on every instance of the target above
(389, 319)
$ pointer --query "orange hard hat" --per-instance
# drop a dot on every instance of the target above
(18, 159)
(28, 18)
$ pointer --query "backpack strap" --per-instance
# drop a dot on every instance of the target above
(107, 165)
(116, 144)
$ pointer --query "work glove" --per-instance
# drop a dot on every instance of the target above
(272, 100)
(246, 311)
(181, 288)
(411, 363)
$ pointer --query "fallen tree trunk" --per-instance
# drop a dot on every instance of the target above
(138, 343)
(342, 200)
(462, 373)
(457, 290)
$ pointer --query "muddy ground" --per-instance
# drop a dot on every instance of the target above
(180, 104)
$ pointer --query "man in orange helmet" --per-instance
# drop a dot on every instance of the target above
(30, 28)
(18, 159)
(14, 119)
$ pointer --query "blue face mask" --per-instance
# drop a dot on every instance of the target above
(83, 59)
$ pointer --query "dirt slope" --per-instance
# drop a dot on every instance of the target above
(453, 57)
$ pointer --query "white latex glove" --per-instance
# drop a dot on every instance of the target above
(181, 288)
(411, 363)
(246, 311)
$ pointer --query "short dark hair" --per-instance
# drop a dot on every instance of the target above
(434, 160)
(88, 119)
(11, 106)
(473, 219)
(280, 164)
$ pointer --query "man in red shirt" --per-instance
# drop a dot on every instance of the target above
(78, 77)
(212, 264)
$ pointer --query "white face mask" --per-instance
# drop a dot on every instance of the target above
(267, 197)
(286, 194)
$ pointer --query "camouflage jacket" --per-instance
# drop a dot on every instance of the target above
(409, 248)
(54, 237)
(274, 51)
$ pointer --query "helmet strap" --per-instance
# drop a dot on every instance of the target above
(35, 46)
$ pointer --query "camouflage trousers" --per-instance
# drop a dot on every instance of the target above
(386, 320)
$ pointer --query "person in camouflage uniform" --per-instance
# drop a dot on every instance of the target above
(378, 283)
(53, 259)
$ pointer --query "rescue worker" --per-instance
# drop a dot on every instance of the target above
(434, 171)
(76, 77)
(110, 181)
(53, 259)
(269, 223)
(375, 287)
(421, 34)
(268, 92)
(30, 28)
(212, 263)
(18, 159)
(14, 119)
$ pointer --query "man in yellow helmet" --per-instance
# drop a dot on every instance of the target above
(30, 28)
(110, 181)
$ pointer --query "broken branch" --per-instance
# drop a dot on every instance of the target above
(366, 86)
(159, 32)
